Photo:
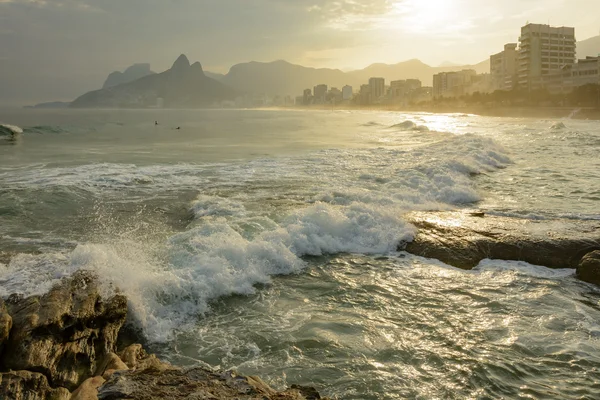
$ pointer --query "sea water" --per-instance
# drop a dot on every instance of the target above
(266, 241)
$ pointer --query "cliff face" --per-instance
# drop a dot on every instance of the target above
(183, 85)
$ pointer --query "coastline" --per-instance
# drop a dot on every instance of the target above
(485, 111)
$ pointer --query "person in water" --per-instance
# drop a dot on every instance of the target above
(155, 122)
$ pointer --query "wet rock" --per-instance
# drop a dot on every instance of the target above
(5, 324)
(88, 389)
(65, 333)
(589, 268)
(195, 383)
(26, 385)
(464, 239)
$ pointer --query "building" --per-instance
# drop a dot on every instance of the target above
(403, 90)
(377, 88)
(347, 93)
(503, 68)
(364, 96)
(453, 84)
(584, 72)
(544, 51)
(307, 97)
(319, 94)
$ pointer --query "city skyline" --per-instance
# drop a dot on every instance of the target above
(69, 46)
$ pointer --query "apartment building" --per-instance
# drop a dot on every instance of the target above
(543, 51)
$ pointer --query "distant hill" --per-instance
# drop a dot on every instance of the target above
(588, 47)
(214, 75)
(51, 104)
(412, 69)
(281, 78)
(284, 78)
(183, 85)
(136, 71)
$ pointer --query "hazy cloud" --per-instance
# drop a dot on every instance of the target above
(57, 49)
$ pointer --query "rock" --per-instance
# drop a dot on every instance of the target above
(26, 385)
(88, 389)
(136, 358)
(111, 362)
(65, 333)
(463, 240)
(5, 324)
(195, 383)
(589, 268)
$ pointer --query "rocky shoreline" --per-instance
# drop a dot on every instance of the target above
(64, 345)
(463, 239)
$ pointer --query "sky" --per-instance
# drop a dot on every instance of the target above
(59, 49)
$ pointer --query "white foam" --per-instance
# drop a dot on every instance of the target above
(6, 129)
(256, 219)
(523, 268)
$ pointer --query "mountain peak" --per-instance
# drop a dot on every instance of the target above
(197, 67)
(182, 62)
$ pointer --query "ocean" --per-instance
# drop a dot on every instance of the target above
(266, 241)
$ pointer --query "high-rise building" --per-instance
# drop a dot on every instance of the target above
(377, 88)
(319, 93)
(543, 51)
(347, 92)
(307, 97)
(452, 84)
(364, 96)
(503, 68)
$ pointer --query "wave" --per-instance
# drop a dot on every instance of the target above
(44, 129)
(253, 220)
(410, 126)
(10, 130)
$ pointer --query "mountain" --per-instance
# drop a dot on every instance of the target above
(448, 64)
(588, 47)
(412, 69)
(284, 78)
(183, 85)
(280, 77)
(214, 75)
(136, 71)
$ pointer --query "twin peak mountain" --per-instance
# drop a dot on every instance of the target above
(183, 85)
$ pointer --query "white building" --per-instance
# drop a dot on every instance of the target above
(347, 93)
(585, 71)
(452, 84)
(377, 89)
(544, 51)
(503, 68)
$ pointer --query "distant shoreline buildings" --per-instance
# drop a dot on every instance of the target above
(544, 58)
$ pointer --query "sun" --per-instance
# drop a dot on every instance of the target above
(429, 16)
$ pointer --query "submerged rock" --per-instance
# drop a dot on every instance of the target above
(66, 333)
(589, 268)
(464, 239)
